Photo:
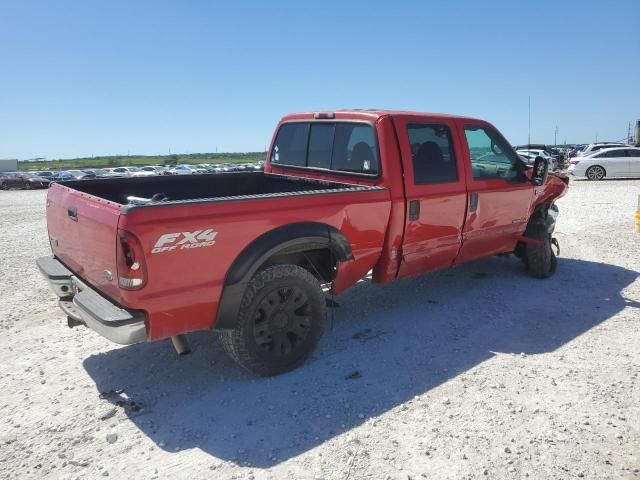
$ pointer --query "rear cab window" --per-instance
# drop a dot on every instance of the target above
(341, 146)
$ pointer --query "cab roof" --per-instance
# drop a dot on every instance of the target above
(365, 114)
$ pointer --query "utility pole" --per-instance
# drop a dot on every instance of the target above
(529, 137)
(555, 136)
(629, 132)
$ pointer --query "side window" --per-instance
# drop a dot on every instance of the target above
(432, 155)
(491, 156)
(614, 154)
(633, 153)
(290, 147)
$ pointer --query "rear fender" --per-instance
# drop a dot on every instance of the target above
(288, 239)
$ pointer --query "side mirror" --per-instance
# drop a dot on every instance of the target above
(540, 171)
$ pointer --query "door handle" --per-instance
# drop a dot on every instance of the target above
(72, 211)
(473, 202)
(414, 210)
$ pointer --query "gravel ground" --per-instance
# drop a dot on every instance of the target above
(474, 372)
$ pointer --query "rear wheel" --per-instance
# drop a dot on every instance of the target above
(280, 321)
(596, 172)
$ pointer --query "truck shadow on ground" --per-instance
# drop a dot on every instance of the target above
(387, 345)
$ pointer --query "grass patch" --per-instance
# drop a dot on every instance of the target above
(139, 160)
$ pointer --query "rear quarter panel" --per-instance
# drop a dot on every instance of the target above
(184, 286)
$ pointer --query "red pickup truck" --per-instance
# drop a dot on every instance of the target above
(343, 193)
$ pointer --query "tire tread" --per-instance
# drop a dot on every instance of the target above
(232, 341)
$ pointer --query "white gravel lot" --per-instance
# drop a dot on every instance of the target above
(474, 372)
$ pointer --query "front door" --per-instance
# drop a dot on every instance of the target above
(616, 162)
(634, 162)
(435, 193)
(500, 195)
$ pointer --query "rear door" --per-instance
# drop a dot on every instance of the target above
(500, 195)
(82, 232)
(435, 192)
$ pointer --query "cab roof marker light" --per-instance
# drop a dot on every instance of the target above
(324, 115)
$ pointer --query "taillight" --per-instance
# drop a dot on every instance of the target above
(132, 271)
(574, 162)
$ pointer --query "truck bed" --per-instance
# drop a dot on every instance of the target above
(173, 189)
(183, 286)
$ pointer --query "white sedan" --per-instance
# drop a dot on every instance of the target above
(612, 162)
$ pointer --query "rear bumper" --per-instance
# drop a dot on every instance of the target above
(85, 305)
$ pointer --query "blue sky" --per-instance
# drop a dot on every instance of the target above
(99, 78)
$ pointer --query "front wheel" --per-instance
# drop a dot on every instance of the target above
(540, 259)
(280, 321)
(595, 172)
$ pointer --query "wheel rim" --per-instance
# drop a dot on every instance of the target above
(282, 321)
(595, 173)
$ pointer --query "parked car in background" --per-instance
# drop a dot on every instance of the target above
(128, 171)
(229, 167)
(155, 169)
(611, 162)
(204, 166)
(66, 175)
(99, 172)
(22, 181)
(182, 170)
(12, 181)
(531, 155)
(34, 180)
(575, 150)
(82, 174)
(594, 147)
(534, 146)
(47, 174)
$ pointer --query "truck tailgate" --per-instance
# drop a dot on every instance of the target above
(82, 232)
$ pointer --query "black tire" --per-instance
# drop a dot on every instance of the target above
(280, 322)
(540, 260)
(4, 186)
(595, 172)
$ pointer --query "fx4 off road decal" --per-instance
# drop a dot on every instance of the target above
(170, 242)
